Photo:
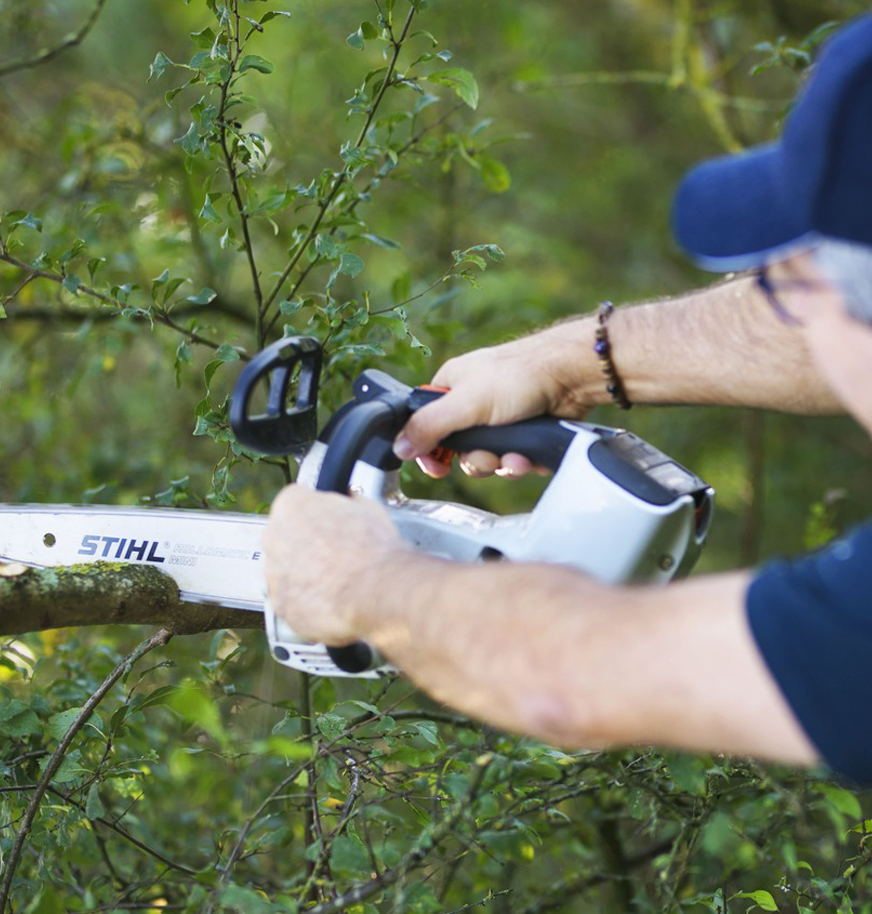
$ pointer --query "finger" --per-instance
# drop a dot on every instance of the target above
(432, 467)
(479, 463)
(433, 422)
(515, 466)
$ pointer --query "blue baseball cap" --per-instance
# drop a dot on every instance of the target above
(740, 211)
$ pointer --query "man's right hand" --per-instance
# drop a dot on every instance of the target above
(496, 386)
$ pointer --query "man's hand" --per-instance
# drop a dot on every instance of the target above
(495, 386)
(322, 551)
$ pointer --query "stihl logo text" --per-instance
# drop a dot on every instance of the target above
(116, 547)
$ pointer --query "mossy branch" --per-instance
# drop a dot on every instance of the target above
(104, 593)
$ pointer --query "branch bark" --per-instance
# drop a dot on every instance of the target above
(103, 593)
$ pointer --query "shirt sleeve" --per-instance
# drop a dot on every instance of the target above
(812, 621)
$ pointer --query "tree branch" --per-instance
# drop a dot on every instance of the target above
(104, 593)
(71, 41)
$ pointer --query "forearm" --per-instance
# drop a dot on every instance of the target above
(721, 345)
(550, 653)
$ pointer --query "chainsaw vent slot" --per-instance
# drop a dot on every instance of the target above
(49, 540)
(263, 400)
(489, 554)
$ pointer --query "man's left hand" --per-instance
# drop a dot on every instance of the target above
(321, 551)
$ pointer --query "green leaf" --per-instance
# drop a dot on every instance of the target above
(190, 142)
(763, 899)
(272, 15)
(348, 855)
(94, 808)
(18, 719)
(203, 297)
(461, 81)
(192, 703)
(843, 800)
(158, 65)
(70, 768)
(208, 212)
(3, 314)
(227, 353)
(30, 221)
(382, 242)
(327, 248)
(331, 725)
(401, 287)
(72, 283)
(94, 265)
(417, 344)
(493, 251)
(428, 730)
(205, 38)
(159, 696)
(495, 175)
(256, 62)
(355, 39)
(244, 900)
(58, 724)
(350, 264)
(184, 356)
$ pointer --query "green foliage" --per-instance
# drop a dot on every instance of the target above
(234, 171)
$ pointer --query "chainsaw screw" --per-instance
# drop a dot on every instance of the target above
(666, 562)
(355, 490)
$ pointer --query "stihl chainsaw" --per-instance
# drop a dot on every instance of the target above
(616, 508)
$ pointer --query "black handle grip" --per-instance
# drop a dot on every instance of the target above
(542, 440)
(280, 430)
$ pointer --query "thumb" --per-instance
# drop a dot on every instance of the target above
(433, 422)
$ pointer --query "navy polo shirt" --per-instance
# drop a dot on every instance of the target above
(812, 620)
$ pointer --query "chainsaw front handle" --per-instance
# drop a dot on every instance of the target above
(281, 429)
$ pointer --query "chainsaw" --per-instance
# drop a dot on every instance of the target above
(616, 507)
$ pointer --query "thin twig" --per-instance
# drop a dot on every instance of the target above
(230, 165)
(161, 315)
(480, 904)
(343, 175)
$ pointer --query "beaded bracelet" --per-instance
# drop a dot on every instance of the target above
(603, 349)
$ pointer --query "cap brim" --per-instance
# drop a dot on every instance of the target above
(731, 213)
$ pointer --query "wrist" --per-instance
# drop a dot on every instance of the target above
(575, 378)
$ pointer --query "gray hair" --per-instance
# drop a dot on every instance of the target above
(848, 266)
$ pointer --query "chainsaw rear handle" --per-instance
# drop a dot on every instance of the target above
(366, 430)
